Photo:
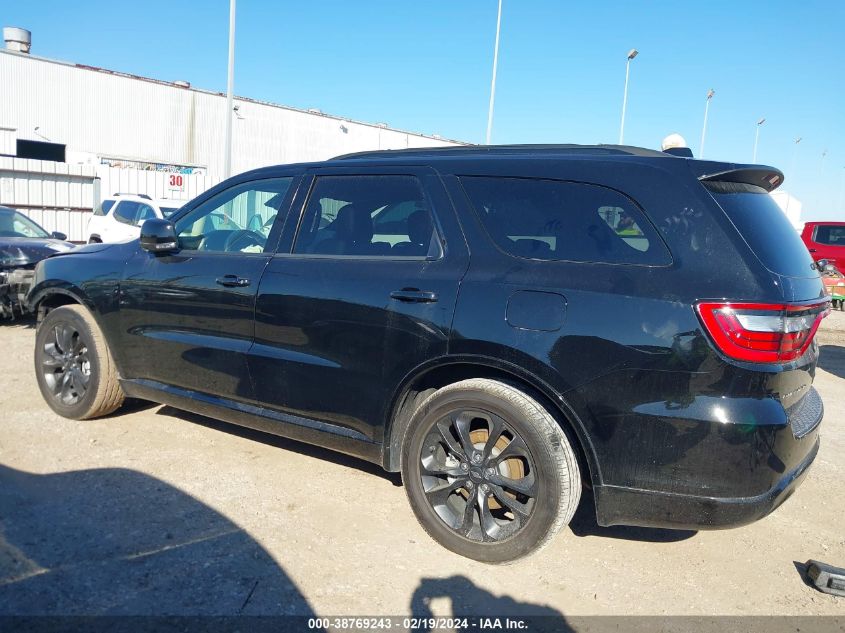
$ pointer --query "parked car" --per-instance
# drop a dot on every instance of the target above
(119, 217)
(825, 240)
(23, 243)
(500, 324)
(834, 284)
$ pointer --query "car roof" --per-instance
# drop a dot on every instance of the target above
(825, 222)
(159, 202)
(769, 178)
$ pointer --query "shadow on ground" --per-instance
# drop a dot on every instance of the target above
(26, 322)
(468, 600)
(283, 443)
(584, 524)
(117, 542)
(832, 359)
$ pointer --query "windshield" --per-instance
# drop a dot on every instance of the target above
(765, 228)
(168, 211)
(14, 224)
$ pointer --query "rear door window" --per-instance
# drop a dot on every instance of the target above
(830, 234)
(368, 216)
(765, 228)
(570, 221)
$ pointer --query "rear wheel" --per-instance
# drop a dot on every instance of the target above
(488, 471)
(73, 365)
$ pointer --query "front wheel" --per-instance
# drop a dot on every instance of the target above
(488, 471)
(73, 365)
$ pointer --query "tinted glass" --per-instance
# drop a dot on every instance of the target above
(367, 216)
(549, 219)
(126, 211)
(767, 230)
(830, 234)
(168, 211)
(103, 209)
(145, 212)
(237, 219)
(14, 224)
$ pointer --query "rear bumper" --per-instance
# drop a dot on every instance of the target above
(617, 505)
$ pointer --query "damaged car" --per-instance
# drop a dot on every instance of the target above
(23, 243)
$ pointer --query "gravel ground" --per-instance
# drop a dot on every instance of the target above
(153, 511)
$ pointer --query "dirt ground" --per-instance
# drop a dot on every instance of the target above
(153, 511)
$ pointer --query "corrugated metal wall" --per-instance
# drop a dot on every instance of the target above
(107, 114)
(56, 195)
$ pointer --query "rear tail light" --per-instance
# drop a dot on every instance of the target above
(762, 332)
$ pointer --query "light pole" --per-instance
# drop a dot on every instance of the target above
(841, 204)
(493, 81)
(757, 138)
(631, 55)
(792, 170)
(230, 84)
(710, 94)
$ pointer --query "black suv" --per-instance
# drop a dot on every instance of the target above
(503, 325)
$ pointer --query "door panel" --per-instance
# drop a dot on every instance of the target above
(182, 328)
(187, 317)
(336, 332)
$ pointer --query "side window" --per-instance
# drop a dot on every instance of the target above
(145, 212)
(570, 221)
(103, 209)
(125, 211)
(384, 216)
(237, 219)
(830, 234)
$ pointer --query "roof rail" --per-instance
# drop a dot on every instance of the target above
(139, 195)
(618, 150)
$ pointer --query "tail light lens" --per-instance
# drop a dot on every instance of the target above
(762, 332)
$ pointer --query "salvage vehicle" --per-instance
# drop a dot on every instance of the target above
(502, 325)
(834, 284)
(23, 243)
(120, 216)
(825, 240)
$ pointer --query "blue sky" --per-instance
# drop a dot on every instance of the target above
(425, 66)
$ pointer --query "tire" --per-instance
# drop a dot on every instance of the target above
(74, 368)
(525, 482)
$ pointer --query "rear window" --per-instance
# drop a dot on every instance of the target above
(830, 234)
(765, 228)
(571, 221)
(168, 211)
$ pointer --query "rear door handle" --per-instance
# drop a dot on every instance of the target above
(232, 281)
(812, 250)
(413, 295)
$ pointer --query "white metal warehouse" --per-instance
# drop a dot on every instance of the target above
(133, 132)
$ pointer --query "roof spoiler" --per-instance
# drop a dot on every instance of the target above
(768, 178)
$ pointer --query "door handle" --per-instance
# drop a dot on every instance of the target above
(414, 295)
(232, 281)
(812, 250)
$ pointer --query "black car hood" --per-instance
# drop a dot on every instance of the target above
(25, 251)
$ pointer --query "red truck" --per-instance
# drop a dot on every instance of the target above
(826, 240)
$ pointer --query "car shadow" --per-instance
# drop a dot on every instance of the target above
(832, 359)
(584, 524)
(113, 541)
(468, 600)
(26, 322)
(302, 448)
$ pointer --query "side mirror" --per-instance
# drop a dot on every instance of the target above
(58, 236)
(820, 264)
(159, 236)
